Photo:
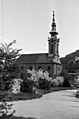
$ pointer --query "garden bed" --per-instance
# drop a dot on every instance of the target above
(33, 95)
(53, 89)
(21, 96)
(19, 117)
(22, 118)
(25, 96)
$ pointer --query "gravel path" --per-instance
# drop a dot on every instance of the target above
(56, 105)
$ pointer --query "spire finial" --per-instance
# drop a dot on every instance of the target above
(53, 17)
(53, 30)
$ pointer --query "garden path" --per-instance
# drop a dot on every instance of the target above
(55, 105)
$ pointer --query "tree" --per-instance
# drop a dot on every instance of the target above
(8, 67)
(71, 67)
(8, 70)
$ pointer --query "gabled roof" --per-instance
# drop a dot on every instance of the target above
(35, 58)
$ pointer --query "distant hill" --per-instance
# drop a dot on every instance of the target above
(69, 58)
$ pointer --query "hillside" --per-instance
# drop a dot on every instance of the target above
(69, 58)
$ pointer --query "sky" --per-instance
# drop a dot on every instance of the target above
(29, 23)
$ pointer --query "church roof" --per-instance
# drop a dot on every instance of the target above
(35, 58)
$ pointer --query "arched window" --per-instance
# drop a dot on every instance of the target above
(39, 67)
(31, 67)
(48, 68)
(21, 76)
(52, 48)
(22, 68)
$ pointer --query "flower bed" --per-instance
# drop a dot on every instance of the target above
(23, 96)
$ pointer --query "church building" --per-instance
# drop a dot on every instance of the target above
(47, 61)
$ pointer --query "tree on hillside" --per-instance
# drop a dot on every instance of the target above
(71, 67)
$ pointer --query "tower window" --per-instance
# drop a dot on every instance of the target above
(52, 48)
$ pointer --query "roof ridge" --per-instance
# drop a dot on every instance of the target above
(34, 54)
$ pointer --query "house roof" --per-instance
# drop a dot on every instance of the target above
(35, 58)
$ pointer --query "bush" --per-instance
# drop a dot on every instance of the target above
(77, 94)
(66, 83)
(57, 82)
(5, 85)
(6, 95)
(76, 82)
(44, 84)
(27, 85)
(40, 78)
(16, 85)
(5, 108)
(69, 77)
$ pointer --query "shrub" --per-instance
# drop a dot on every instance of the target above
(5, 95)
(16, 85)
(27, 85)
(5, 108)
(76, 82)
(66, 83)
(44, 84)
(77, 94)
(70, 77)
(57, 82)
(40, 78)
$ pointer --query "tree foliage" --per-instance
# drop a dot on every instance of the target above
(69, 62)
(8, 66)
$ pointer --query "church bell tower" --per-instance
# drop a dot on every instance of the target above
(53, 41)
